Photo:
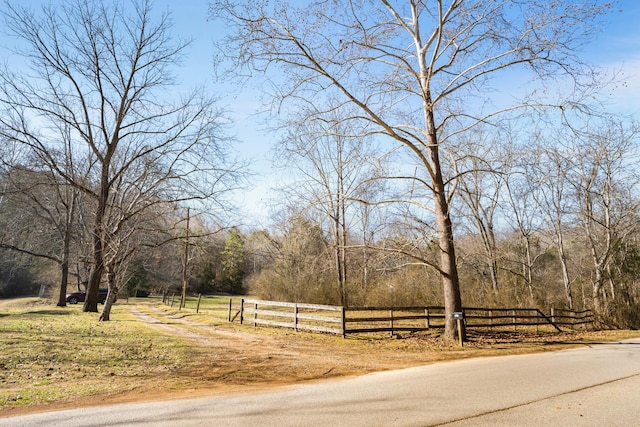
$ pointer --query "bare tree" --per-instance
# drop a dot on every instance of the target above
(48, 224)
(605, 182)
(334, 171)
(524, 215)
(417, 72)
(52, 200)
(480, 183)
(100, 72)
(555, 202)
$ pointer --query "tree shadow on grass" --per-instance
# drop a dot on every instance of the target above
(46, 312)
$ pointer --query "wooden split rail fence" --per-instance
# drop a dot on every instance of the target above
(298, 316)
(353, 320)
(571, 318)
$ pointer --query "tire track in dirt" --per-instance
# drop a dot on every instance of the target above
(244, 358)
(207, 334)
(233, 358)
(173, 329)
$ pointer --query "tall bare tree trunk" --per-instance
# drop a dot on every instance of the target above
(97, 267)
(66, 248)
(448, 266)
(449, 269)
(111, 296)
(342, 231)
(185, 264)
(599, 294)
(565, 271)
(64, 271)
(527, 266)
(343, 261)
(339, 254)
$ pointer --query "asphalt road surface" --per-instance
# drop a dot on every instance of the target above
(598, 385)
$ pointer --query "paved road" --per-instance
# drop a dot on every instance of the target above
(597, 385)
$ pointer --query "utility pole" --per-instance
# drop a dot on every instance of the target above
(185, 265)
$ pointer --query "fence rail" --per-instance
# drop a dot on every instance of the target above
(353, 320)
(565, 317)
(298, 316)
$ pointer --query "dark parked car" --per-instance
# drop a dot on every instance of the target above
(76, 297)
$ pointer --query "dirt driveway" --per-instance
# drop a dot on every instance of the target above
(261, 357)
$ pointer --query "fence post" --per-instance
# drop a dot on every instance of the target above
(553, 315)
(295, 317)
(426, 315)
(391, 321)
(344, 322)
(198, 306)
(491, 319)
(514, 320)
(241, 309)
(229, 312)
(255, 313)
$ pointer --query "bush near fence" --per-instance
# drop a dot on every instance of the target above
(354, 320)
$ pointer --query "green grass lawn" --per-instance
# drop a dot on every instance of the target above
(52, 354)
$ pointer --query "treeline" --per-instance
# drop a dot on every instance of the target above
(45, 243)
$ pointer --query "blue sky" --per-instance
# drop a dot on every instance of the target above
(616, 49)
(190, 20)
